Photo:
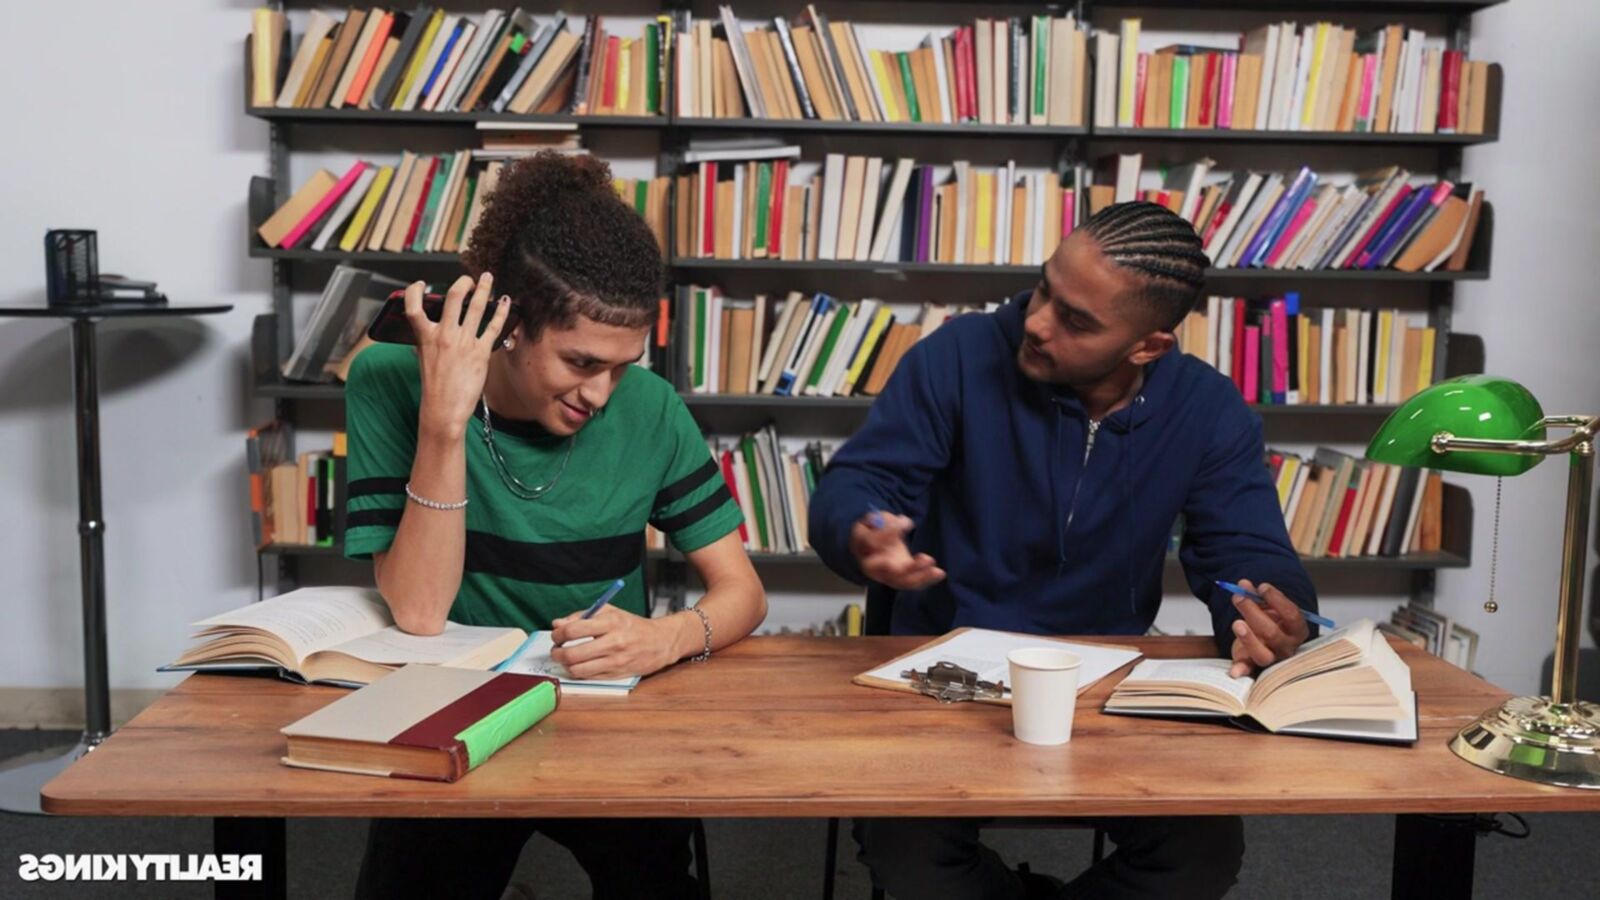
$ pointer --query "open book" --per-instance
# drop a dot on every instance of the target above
(335, 635)
(1348, 683)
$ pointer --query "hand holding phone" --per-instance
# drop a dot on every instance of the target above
(453, 349)
(390, 325)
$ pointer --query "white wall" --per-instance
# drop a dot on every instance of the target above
(149, 145)
(1539, 314)
(127, 119)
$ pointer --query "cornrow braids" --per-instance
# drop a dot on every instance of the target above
(1162, 247)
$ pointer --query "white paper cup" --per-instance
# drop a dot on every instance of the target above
(1044, 693)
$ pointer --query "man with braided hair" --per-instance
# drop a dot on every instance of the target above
(1022, 471)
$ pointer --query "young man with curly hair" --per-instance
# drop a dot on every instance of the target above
(506, 478)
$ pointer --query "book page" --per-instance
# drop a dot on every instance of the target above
(391, 646)
(309, 619)
(536, 661)
(1336, 649)
(1211, 673)
(984, 651)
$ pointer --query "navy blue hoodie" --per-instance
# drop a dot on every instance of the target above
(1036, 530)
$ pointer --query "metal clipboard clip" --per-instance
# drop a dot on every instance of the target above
(950, 683)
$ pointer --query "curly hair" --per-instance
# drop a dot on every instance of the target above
(562, 244)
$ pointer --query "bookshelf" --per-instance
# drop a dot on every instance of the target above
(673, 134)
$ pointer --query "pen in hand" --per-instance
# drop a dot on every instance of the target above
(603, 599)
(599, 604)
(1310, 616)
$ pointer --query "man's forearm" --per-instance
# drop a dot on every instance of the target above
(421, 572)
(734, 609)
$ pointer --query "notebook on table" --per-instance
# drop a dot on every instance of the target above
(535, 660)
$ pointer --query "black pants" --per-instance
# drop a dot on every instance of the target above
(913, 859)
(473, 859)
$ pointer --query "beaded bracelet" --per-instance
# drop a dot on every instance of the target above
(420, 500)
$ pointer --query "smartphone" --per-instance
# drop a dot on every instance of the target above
(390, 325)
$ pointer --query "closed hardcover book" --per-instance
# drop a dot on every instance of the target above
(424, 722)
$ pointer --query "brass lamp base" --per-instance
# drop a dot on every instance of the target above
(1537, 740)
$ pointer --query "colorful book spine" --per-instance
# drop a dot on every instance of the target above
(1301, 216)
(1369, 71)
(1280, 351)
(1303, 181)
(1378, 224)
(358, 225)
(913, 102)
(1401, 223)
(1142, 68)
(1230, 73)
(1179, 111)
(322, 206)
(1251, 388)
(444, 55)
(925, 215)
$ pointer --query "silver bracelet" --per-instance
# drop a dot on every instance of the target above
(420, 500)
(706, 622)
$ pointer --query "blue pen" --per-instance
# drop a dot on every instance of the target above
(874, 517)
(604, 599)
(1232, 588)
(595, 607)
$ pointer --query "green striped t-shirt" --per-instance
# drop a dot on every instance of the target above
(640, 459)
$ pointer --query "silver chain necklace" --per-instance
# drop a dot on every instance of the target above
(511, 481)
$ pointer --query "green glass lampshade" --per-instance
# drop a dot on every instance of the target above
(1472, 406)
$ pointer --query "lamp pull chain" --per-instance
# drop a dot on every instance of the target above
(1490, 605)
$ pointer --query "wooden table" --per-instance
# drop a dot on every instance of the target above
(772, 727)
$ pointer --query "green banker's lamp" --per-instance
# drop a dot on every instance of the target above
(1485, 425)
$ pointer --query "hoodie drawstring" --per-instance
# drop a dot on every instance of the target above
(1055, 500)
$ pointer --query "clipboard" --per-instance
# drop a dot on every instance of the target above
(1099, 660)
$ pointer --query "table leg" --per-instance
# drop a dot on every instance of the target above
(1433, 857)
(267, 837)
(20, 782)
(91, 532)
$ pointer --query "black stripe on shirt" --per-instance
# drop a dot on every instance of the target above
(387, 518)
(367, 487)
(555, 562)
(686, 485)
(673, 524)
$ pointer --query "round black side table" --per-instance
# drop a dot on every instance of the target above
(22, 777)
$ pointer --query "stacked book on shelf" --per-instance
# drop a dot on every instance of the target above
(1279, 353)
(431, 60)
(867, 208)
(420, 203)
(1299, 220)
(772, 486)
(337, 329)
(1338, 506)
(294, 499)
(1433, 631)
(816, 347)
(1016, 71)
(1288, 77)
